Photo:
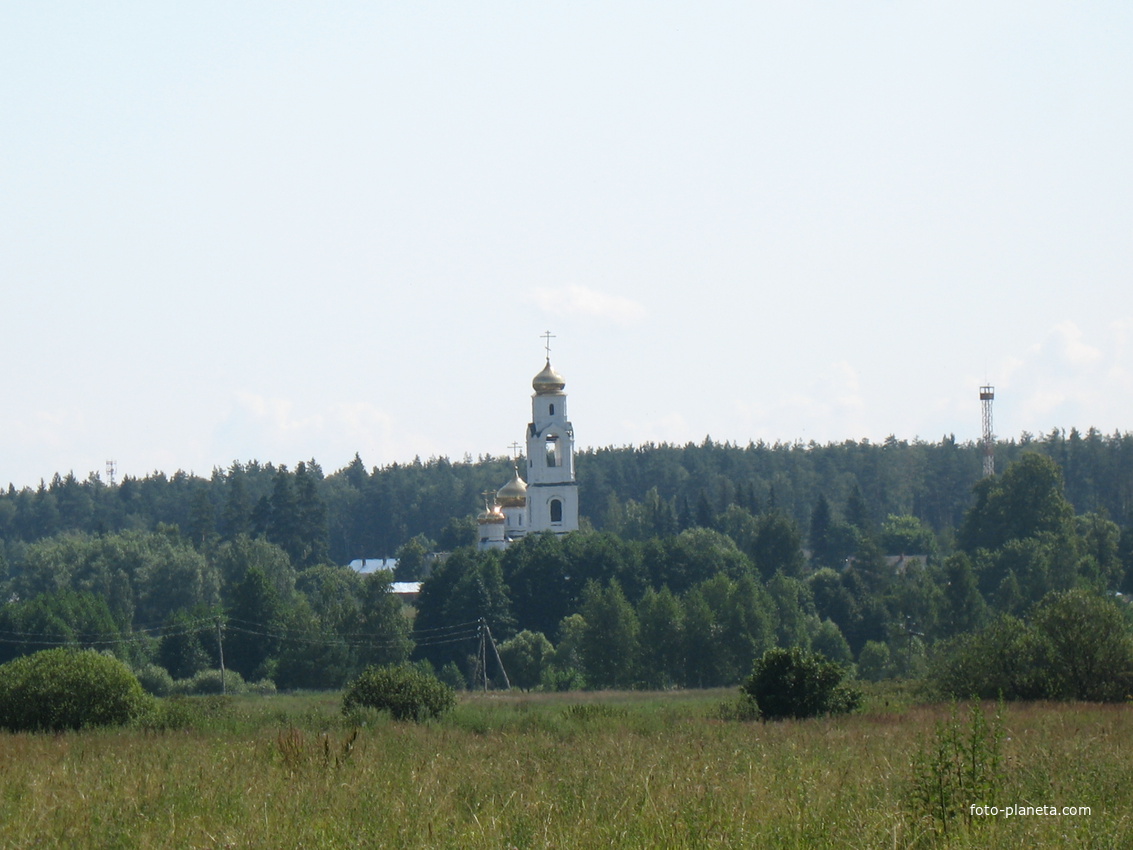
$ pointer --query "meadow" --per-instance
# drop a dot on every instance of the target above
(572, 770)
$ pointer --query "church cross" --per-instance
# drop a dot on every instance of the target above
(515, 447)
(548, 336)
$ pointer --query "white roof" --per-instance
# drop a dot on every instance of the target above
(373, 565)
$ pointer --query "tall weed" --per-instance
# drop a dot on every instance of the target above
(960, 766)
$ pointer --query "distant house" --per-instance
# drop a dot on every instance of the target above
(405, 590)
(373, 565)
(900, 563)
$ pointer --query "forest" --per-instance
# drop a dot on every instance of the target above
(894, 559)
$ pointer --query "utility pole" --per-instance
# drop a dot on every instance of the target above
(496, 652)
(220, 649)
(483, 658)
(487, 640)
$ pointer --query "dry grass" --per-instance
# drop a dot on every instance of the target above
(522, 771)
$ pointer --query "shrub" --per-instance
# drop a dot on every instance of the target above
(59, 689)
(450, 674)
(742, 708)
(1077, 645)
(525, 657)
(407, 693)
(794, 683)
(209, 682)
(874, 661)
(1089, 646)
(559, 679)
(263, 688)
(1003, 659)
(154, 680)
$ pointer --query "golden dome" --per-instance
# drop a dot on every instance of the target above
(491, 517)
(548, 381)
(513, 494)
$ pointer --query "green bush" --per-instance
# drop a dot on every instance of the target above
(154, 679)
(742, 708)
(875, 661)
(1076, 645)
(1003, 659)
(405, 692)
(209, 682)
(59, 689)
(794, 683)
(263, 688)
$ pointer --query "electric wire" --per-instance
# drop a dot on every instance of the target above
(433, 636)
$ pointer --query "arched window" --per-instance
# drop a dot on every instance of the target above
(556, 510)
(552, 410)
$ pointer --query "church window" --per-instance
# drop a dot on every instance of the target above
(554, 458)
(556, 510)
(552, 410)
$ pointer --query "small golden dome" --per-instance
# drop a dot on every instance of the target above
(491, 517)
(513, 494)
(548, 381)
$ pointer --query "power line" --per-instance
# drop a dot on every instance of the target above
(435, 636)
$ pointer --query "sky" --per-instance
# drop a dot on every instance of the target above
(285, 230)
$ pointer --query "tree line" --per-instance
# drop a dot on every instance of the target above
(636, 492)
(692, 561)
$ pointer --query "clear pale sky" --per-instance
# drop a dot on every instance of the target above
(281, 230)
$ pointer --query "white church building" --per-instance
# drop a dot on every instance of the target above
(548, 499)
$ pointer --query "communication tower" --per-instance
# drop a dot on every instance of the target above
(987, 396)
(111, 469)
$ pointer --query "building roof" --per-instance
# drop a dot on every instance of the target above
(373, 565)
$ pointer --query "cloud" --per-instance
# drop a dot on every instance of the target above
(1073, 349)
(582, 301)
(1069, 378)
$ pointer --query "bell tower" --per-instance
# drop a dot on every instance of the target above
(552, 492)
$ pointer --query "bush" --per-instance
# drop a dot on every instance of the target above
(1003, 659)
(209, 682)
(1077, 645)
(450, 674)
(405, 692)
(59, 689)
(874, 661)
(263, 688)
(742, 708)
(154, 679)
(794, 683)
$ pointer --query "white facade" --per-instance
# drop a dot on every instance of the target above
(491, 525)
(552, 492)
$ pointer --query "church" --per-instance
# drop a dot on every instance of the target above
(548, 499)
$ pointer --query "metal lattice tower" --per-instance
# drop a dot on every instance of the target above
(987, 396)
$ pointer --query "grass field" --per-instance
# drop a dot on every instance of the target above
(566, 771)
